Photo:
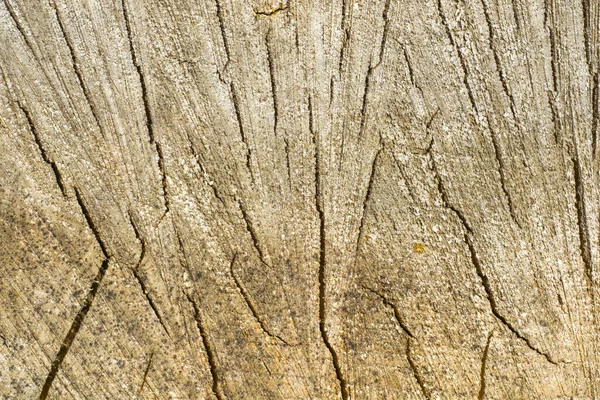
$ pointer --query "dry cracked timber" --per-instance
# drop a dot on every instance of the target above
(393, 199)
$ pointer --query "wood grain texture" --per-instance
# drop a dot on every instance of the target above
(218, 199)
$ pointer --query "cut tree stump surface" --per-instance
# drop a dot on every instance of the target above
(218, 199)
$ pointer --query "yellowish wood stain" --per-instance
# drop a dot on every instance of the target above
(418, 248)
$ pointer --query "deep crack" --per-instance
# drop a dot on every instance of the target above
(146, 103)
(210, 352)
(87, 304)
(394, 309)
(44, 154)
(322, 259)
(250, 303)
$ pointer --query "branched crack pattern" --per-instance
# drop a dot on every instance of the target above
(234, 94)
(410, 337)
(87, 304)
(391, 305)
(319, 204)
(502, 75)
(322, 258)
(250, 303)
(507, 92)
(136, 274)
(468, 234)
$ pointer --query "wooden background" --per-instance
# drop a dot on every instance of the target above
(349, 199)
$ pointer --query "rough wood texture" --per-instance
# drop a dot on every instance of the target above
(219, 199)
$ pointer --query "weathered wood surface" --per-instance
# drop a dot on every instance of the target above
(308, 199)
